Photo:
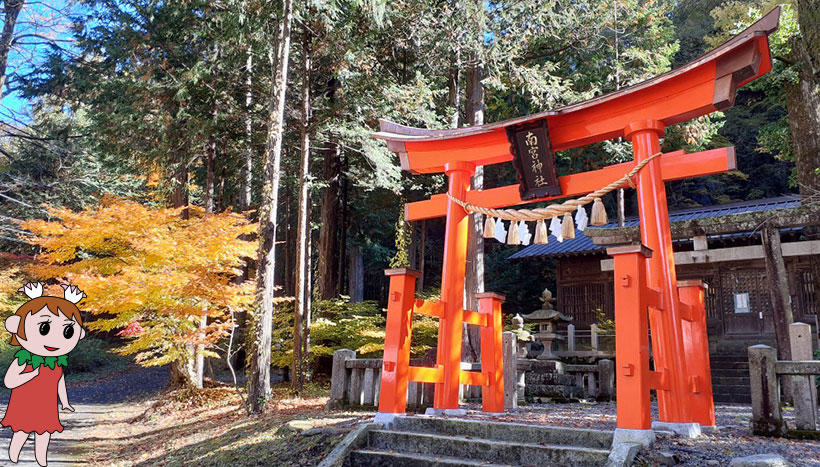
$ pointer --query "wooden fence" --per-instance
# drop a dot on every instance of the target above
(576, 340)
(764, 372)
(356, 381)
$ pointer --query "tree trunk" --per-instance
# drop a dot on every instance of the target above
(210, 177)
(287, 280)
(247, 181)
(803, 103)
(328, 233)
(454, 85)
(181, 375)
(356, 275)
(341, 261)
(808, 16)
(12, 10)
(302, 235)
(474, 277)
(179, 186)
(260, 345)
(422, 250)
(222, 203)
(308, 304)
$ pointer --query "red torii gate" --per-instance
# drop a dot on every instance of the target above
(647, 292)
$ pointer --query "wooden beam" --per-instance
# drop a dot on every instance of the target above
(675, 165)
(737, 253)
(473, 378)
(805, 367)
(801, 216)
(424, 374)
(434, 309)
(474, 317)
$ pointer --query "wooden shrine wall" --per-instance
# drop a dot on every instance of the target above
(583, 290)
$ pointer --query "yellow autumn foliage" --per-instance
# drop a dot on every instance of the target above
(149, 266)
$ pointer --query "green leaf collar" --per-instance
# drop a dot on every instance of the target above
(24, 356)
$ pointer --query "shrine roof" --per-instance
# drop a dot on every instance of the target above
(582, 244)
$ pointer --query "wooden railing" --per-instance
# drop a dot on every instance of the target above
(575, 338)
(764, 372)
(356, 381)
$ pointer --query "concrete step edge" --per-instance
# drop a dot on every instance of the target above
(603, 436)
(426, 459)
(439, 436)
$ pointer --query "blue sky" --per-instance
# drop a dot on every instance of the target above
(47, 18)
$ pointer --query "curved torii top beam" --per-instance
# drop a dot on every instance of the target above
(700, 87)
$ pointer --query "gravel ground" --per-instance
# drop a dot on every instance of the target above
(732, 439)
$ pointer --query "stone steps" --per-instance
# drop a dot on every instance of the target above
(729, 365)
(730, 377)
(721, 380)
(506, 431)
(440, 441)
(402, 459)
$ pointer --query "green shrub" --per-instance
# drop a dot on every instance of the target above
(340, 324)
(90, 356)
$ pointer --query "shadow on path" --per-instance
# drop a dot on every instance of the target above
(92, 401)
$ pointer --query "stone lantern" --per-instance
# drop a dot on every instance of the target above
(546, 318)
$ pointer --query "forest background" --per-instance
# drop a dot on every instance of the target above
(205, 171)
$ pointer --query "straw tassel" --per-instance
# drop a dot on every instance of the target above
(542, 237)
(598, 216)
(512, 235)
(489, 227)
(568, 227)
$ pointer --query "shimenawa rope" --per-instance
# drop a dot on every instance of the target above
(554, 210)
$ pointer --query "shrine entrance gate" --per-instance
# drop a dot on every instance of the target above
(647, 292)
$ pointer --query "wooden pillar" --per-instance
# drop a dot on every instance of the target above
(510, 357)
(665, 317)
(804, 391)
(492, 363)
(368, 386)
(631, 337)
(593, 336)
(339, 376)
(778, 290)
(767, 419)
(452, 286)
(606, 379)
(396, 364)
(696, 347)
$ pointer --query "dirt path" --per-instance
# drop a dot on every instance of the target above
(93, 401)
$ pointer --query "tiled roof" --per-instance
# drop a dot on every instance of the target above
(582, 244)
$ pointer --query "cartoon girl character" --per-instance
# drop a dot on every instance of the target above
(47, 328)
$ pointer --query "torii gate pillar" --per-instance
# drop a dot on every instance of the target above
(452, 286)
(665, 319)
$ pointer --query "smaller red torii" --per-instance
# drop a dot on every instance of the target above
(647, 293)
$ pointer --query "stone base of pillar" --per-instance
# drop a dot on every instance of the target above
(386, 419)
(445, 412)
(687, 430)
(625, 435)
